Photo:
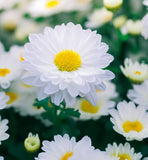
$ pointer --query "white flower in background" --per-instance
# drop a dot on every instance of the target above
(3, 129)
(112, 4)
(122, 152)
(8, 4)
(145, 26)
(80, 5)
(135, 71)
(145, 2)
(88, 111)
(139, 94)
(119, 21)
(3, 100)
(65, 148)
(1, 158)
(16, 52)
(130, 121)
(64, 64)
(99, 17)
(25, 28)
(10, 69)
(8, 22)
(48, 7)
(134, 27)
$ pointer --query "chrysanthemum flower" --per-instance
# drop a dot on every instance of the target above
(64, 148)
(123, 152)
(3, 129)
(66, 62)
(88, 111)
(130, 121)
(99, 17)
(136, 72)
(48, 7)
(145, 26)
(3, 100)
(139, 94)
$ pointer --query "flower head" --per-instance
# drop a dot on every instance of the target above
(122, 152)
(32, 143)
(3, 129)
(130, 121)
(139, 94)
(66, 62)
(136, 72)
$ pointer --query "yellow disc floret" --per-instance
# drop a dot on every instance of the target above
(67, 60)
(132, 126)
(67, 156)
(4, 72)
(124, 157)
(12, 97)
(52, 3)
(138, 72)
(88, 107)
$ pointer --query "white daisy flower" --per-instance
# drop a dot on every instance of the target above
(10, 69)
(122, 152)
(139, 94)
(136, 72)
(8, 22)
(8, 4)
(48, 7)
(134, 27)
(88, 111)
(3, 129)
(3, 100)
(64, 64)
(65, 148)
(99, 17)
(1, 158)
(145, 2)
(130, 121)
(145, 26)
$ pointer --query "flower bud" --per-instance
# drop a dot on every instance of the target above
(112, 5)
(32, 143)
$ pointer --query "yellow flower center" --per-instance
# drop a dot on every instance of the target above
(88, 107)
(12, 97)
(52, 3)
(124, 157)
(132, 126)
(4, 72)
(21, 58)
(138, 72)
(67, 156)
(67, 60)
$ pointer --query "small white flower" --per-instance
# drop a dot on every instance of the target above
(145, 2)
(136, 72)
(130, 121)
(98, 18)
(122, 152)
(48, 7)
(134, 27)
(64, 64)
(1, 158)
(10, 22)
(3, 100)
(88, 111)
(145, 26)
(139, 94)
(10, 69)
(64, 148)
(3, 129)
